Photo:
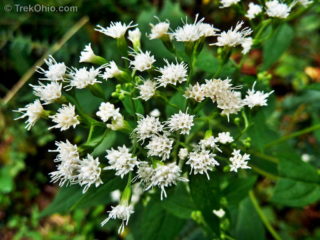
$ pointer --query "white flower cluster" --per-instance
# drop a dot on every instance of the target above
(227, 98)
(73, 170)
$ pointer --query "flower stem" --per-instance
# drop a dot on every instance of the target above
(263, 218)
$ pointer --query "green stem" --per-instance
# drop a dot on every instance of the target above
(263, 218)
(90, 133)
(293, 135)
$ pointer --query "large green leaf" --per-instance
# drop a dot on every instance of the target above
(72, 197)
(155, 223)
(177, 100)
(274, 47)
(247, 224)
(206, 196)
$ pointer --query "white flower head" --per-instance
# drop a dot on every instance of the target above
(32, 111)
(116, 29)
(195, 92)
(147, 127)
(216, 88)
(111, 71)
(159, 30)
(108, 111)
(121, 160)
(122, 212)
(219, 213)
(155, 113)
(256, 98)
(233, 37)
(144, 173)
(48, 93)
(55, 72)
(65, 117)
(89, 172)
(115, 195)
(147, 89)
(180, 122)
(172, 73)
(277, 9)
(165, 176)
(183, 153)
(254, 10)
(87, 54)
(230, 103)
(83, 77)
(160, 146)
(239, 161)
(68, 159)
(210, 142)
(142, 61)
(201, 162)
(225, 137)
(246, 45)
(134, 35)
(195, 31)
(117, 123)
(228, 3)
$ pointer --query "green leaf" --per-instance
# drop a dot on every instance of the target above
(274, 47)
(155, 223)
(295, 193)
(72, 197)
(129, 105)
(207, 62)
(247, 224)
(179, 100)
(238, 189)
(206, 198)
(105, 144)
(180, 203)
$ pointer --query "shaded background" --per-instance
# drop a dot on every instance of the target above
(27, 37)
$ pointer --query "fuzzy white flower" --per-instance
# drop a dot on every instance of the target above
(183, 153)
(87, 54)
(254, 10)
(195, 31)
(155, 113)
(115, 30)
(142, 61)
(172, 73)
(111, 71)
(115, 195)
(48, 93)
(55, 72)
(228, 3)
(147, 127)
(165, 176)
(134, 35)
(246, 45)
(160, 146)
(256, 98)
(144, 173)
(68, 159)
(121, 160)
(233, 37)
(117, 123)
(216, 88)
(239, 161)
(230, 103)
(89, 172)
(201, 162)
(180, 122)
(32, 111)
(225, 137)
(122, 212)
(83, 77)
(210, 142)
(159, 30)
(108, 111)
(277, 9)
(147, 89)
(195, 92)
(65, 117)
(219, 213)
